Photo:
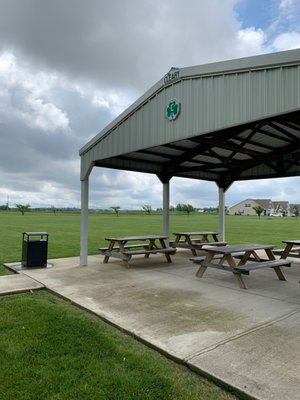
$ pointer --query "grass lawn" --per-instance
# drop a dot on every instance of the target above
(64, 229)
(53, 350)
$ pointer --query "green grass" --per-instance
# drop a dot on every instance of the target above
(64, 230)
(52, 350)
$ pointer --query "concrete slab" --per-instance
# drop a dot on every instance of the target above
(248, 339)
(10, 284)
(263, 363)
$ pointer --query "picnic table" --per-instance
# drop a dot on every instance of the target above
(290, 250)
(240, 259)
(196, 240)
(126, 247)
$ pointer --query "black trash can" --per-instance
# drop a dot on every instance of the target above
(35, 249)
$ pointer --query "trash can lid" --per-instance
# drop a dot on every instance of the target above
(35, 233)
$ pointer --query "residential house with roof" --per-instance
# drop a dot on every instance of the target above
(281, 208)
(295, 210)
(245, 207)
(270, 207)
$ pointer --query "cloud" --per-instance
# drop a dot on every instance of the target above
(114, 44)
(21, 93)
(251, 41)
(287, 41)
(45, 115)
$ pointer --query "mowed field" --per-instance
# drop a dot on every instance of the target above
(64, 229)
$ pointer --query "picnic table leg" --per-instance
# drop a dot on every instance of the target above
(189, 242)
(110, 248)
(125, 257)
(168, 257)
(270, 254)
(201, 271)
(215, 237)
(203, 268)
(286, 250)
(240, 280)
(279, 273)
(244, 258)
(204, 239)
(150, 247)
(278, 270)
(177, 239)
(194, 252)
(163, 246)
(126, 262)
(237, 275)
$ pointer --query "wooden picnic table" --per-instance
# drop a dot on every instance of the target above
(196, 240)
(292, 249)
(240, 259)
(126, 247)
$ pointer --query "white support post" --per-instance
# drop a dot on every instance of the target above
(84, 222)
(222, 214)
(166, 206)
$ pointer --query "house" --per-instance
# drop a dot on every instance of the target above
(294, 210)
(273, 208)
(281, 208)
(245, 207)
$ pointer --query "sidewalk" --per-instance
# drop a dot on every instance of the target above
(10, 284)
(246, 339)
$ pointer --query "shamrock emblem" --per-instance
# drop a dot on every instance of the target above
(173, 110)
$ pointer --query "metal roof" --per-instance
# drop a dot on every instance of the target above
(238, 120)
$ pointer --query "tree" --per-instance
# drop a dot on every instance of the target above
(147, 208)
(185, 207)
(296, 211)
(23, 208)
(259, 210)
(116, 209)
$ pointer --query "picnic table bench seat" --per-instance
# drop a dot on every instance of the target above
(168, 250)
(127, 246)
(294, 252)
(142, 248)
(246, 268)
(201, 244)
(200, 259)
(197, 242)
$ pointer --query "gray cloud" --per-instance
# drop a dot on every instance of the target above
(117, 43)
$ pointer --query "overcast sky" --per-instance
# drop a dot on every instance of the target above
(69, 67)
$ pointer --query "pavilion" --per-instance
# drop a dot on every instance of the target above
(221, 122)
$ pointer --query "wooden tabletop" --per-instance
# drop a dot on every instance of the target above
(132, 238)
(297, 242)
(238, 248)
(196, 233)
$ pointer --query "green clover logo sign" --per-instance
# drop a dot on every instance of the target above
(172, 110)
